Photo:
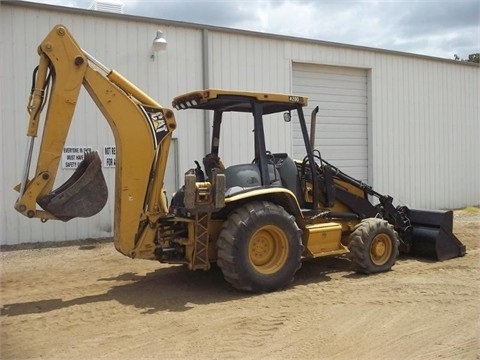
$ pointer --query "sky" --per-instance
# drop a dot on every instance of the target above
(440, 28)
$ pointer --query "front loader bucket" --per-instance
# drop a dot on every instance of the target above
(83, 195)
(432, 235)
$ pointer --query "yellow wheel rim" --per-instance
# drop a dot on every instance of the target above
(381, 249)
(268, 249)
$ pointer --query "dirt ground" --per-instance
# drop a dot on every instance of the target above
(90, 302)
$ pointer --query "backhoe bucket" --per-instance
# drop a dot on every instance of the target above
(83, 195)
(432, 235)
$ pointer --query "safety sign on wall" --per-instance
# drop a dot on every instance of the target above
(109, 156)
(72, 156)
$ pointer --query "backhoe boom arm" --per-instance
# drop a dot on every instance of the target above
(142, 130)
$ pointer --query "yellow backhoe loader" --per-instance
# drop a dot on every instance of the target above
(256, 220)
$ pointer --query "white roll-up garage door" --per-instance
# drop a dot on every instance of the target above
(341, 130)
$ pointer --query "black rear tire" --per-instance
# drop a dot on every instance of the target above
(373, 246)
(259, 247)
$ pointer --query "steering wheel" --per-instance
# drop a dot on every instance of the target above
(316, 156)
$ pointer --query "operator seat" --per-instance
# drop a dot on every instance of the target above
(243, 176)
(289, 176)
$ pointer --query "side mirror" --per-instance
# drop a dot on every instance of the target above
(287, 117)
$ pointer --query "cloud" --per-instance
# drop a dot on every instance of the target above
(213, 12)
(431, 27)
(436, 28)
(428, 17)
(280, 17)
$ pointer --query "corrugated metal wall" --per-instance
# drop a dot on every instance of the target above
(425, 130)
(423, 113)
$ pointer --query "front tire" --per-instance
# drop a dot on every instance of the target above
(259, 247)
(373, 246)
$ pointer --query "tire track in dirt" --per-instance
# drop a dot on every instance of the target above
(247, 335)
(410, 281)
(463, 349)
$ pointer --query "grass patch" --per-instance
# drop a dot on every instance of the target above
(470, 210)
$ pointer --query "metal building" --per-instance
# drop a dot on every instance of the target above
(407, 124)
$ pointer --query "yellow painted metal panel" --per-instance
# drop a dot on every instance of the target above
(324, 239)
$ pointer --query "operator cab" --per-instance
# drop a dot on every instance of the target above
(266, 169)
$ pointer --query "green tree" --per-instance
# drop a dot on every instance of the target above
(474, 58)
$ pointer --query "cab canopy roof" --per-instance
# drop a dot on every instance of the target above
(237, 101)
